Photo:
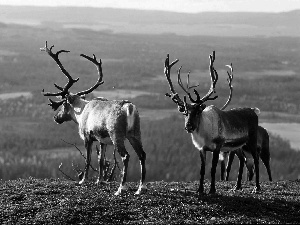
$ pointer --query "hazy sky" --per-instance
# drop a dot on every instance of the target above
(172, 5)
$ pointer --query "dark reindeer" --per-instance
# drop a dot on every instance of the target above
(109, 122)
(213, 129)
(263, 151)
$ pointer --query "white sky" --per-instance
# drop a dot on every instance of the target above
(173, 5)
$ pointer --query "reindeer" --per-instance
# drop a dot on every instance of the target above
(213, 129)
(109, 122)
(263, 151)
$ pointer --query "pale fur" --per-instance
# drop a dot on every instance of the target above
(130, 115)
(104, 121)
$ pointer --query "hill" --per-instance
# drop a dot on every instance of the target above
(35, 201)
(156, 22)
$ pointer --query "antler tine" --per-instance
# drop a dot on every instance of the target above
(63, 90)
(229, 80)
(173, 95)
(214, 78)
(100, 73)
(180, 81)
(188, 87)
(167, 71)
(55, 104)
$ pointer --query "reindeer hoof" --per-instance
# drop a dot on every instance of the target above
(99, 182)
(120, 189)
(80, 175)
(256, 190)
(237, 187)
(141, 189)
(81, 182)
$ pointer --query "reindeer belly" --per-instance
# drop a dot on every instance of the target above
(98, 134)
(101, 135)
(234, 139)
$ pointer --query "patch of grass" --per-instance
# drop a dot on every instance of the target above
(58, 201)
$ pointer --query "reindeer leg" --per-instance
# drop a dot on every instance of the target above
(215, 160)
(202, 171)
(138, 147)
(253, 149)
(101, 154)
(229, 163)
(265, 158)
(241, 157)
(88, 145)
(120, 147)
(250, 169)
(222, 157)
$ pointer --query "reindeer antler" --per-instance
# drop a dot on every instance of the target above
(229, 80)
(55, 104)
(100, 73)
(63, 90)
(214, 78)
(188, 86)
(173, 95)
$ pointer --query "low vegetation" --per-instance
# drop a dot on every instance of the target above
(48, 201)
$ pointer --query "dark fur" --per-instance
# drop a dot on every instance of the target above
(262, 150)
(235, 121)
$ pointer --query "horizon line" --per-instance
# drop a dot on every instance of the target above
(155, 10)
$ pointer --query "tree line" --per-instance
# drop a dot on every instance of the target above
(171, 155)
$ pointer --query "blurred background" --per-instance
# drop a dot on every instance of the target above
(133, 38)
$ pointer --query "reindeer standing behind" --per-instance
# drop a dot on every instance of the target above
(263, 151)
(102, 120)
(213, 129)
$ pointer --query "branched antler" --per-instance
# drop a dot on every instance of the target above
(214, 78)
(187, 90)
(100, 73)
(63, 90)
(182, 105)
(173, 95)
(55, 104)
(229, 80)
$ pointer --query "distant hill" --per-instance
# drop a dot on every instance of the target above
(156, 22)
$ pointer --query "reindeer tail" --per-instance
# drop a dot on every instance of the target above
(256, 110)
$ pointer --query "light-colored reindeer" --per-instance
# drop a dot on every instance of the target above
(263, 151)
(109, 122)
(213, 129)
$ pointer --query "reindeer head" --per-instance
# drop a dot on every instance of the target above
(192, 116)
(66, 110)
(69, 101)
(192, 111)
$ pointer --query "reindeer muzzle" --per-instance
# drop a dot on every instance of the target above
(189, 128)
(57, 119)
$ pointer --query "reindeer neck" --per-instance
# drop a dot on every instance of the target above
(77, 109)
